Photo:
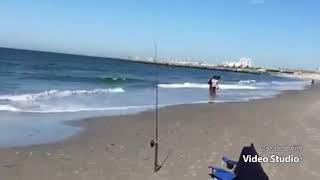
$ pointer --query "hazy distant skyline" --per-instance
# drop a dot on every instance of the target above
(273, 33)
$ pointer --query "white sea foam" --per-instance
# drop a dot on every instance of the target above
(283, 85)
(198, 85)
(71, 109)
(58, 94)
(299, 83)
(290, 85)
(247, 81)
(8, 108)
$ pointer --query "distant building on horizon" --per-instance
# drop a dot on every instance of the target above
(242, 63)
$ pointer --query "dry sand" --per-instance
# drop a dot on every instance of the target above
(193, 137)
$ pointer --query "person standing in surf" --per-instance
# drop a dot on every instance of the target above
(213, 86)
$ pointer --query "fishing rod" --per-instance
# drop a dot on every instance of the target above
(154, 143)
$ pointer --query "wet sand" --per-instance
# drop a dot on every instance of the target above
(191, 136)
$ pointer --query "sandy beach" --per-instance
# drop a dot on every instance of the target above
(192, 137)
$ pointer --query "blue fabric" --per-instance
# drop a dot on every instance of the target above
(224, 175)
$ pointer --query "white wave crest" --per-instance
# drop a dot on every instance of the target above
(198, 85)
(72, 109)
(56, 93)
(247, 81)
(8, 108)
(184, 85)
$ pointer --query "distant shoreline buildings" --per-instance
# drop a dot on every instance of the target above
(172, 61)
(242, 63)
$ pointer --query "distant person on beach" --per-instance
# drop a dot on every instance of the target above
(213, 86)
(312, 82)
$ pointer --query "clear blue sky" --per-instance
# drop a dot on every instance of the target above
(274, 33)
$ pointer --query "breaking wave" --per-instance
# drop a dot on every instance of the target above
(58, 94)
(7, 108)
(73, 109)
(120, 80)
(198, 85)
(60, 110)
(247, 81)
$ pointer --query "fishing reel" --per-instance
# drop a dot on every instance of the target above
(152, 143)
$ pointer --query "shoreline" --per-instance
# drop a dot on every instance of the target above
(81, 123)
(117, 147)
(38, 138)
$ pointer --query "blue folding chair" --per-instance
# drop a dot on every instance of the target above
(221, 174)
(240, 170)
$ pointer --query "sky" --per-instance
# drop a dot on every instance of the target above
(273, 33)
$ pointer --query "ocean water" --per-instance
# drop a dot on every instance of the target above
(39, 90)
